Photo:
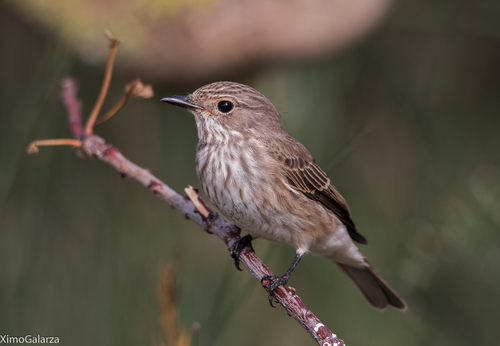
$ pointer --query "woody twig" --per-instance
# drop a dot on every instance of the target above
(114, 42)
(193, 207)
(135, 89)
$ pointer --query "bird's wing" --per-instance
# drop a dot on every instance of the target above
(303, 174)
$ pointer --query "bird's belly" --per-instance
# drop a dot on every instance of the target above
(240, 186)
(249, 195)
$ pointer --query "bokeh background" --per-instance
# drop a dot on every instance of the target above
(398, 101)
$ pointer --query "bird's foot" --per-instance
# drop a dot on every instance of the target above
(238, 246)
(276, 282)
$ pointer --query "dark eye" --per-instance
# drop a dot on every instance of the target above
(225, 106)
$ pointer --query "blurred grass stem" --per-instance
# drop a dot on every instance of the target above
(347, 148)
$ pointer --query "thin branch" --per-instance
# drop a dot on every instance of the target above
(69, 98)
(198, 202)
(33, 146)
(95, 146)
(112, 111)
(193, 207)
(114, 42)
(135, 89)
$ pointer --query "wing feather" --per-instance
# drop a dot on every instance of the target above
(304, 175)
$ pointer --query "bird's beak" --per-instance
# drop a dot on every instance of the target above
(181, 101)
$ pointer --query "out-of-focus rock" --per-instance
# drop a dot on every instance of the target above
(193, 39)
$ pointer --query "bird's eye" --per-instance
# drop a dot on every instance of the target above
(225, 106)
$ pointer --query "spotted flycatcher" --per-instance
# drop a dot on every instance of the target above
(267, 183)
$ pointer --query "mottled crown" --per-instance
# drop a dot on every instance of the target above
(244, 95)
(226, 88)
(252, 110)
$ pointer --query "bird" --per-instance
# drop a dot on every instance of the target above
(267, 183)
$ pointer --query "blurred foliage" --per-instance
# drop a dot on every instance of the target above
(168, 296)
(194, 39)
(73, 20)
(406, 123)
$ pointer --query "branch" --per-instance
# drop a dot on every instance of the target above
(135, 89)
(33, 147)
(193, 207)
(95, 146)
(114, 42)
(73, 106)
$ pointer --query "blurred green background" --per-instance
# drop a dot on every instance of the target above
(404, 119)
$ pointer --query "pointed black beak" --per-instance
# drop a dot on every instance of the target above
(181, 101)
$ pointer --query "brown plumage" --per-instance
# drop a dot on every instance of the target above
(306, 176)
(266, 182)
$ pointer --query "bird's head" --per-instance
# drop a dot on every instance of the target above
(227, 108)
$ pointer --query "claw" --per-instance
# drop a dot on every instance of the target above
(281, 280)
(276, 282)
(237, 247)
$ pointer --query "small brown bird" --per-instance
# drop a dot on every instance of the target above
(267, 183)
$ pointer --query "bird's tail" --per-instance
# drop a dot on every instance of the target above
(374, 288)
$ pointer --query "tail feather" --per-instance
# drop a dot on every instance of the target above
(373, 287)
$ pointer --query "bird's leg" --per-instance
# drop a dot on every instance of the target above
(281, 280)
(238, 246)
